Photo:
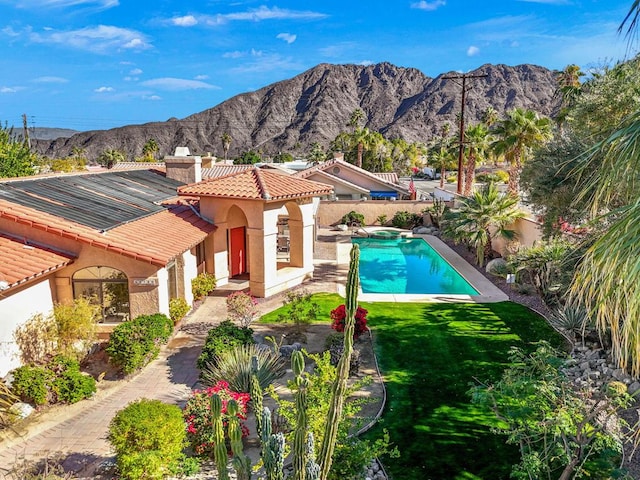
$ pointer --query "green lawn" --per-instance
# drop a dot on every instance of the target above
(430, 354)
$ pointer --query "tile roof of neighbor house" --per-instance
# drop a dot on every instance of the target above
(154, 239)
(334, 179)
(222, 170)
(390, 177)
(324, 166)
(257, 184)
(22, 261)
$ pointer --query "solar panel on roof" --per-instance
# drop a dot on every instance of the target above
(101, 201)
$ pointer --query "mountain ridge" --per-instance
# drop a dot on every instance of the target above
(315, 106)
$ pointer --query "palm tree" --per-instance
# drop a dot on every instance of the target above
(569, 88)
(150, 149)
(110, 157)
(490, 116)
(515, 136)
(226, 143)
(356, 117)
(484, 215)
(476, 144)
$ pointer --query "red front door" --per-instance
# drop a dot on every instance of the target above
(237, 251)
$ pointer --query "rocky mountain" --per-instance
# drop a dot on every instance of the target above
(316, 105)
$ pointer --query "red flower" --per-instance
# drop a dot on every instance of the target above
(339, 314)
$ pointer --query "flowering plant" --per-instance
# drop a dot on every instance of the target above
(197, 414)
(338, 315)
(242, 307)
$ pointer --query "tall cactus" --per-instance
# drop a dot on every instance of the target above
(255, 391)
(219, 450)
(338, 391)
(300, 435)
(241, 462)
(272, 449)
(313, 469)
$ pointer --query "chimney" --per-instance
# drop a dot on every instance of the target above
(183, 167)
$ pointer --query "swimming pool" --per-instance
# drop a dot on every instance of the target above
(407, 265)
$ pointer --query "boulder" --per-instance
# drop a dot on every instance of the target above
(496, 265)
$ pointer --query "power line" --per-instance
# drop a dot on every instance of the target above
(462, 77)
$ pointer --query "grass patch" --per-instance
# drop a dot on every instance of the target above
(430, 355)
(326, 302)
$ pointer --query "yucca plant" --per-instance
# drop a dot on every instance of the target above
(235, 366)
(572, 320)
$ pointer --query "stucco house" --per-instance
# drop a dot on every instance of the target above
(350, 182)
(133, 239)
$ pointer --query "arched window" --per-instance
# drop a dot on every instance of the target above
(106, 287)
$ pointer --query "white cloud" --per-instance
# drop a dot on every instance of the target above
(254, 15)
(365, 63)
(10, 89)
(337, 50)
(472, 51)
(39, 4)
(256, 53)
(50, 80)
(174, 84)
(101, 39)
(268, 63)
(201, 77)
(152, 97)
(429, 6)
(103, 89)
(186, 21)
(135, 71)
(235, 54)
(287, 37)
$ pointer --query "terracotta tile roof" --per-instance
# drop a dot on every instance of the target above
(155, 239)
(22, 262)
(389, 177)
(258, 184)
(222, 170)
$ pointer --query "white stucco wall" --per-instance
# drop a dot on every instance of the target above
(15, 310)
(163, 291)
(190, 272)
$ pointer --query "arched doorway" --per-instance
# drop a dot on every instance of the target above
(237, 243)
(106, 287)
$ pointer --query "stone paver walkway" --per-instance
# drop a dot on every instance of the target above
(76, 434)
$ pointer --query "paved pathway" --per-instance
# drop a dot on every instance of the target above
(76, 434)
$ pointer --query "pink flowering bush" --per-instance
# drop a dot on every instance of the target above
(338, 315)
(242, 308)
(197, 414)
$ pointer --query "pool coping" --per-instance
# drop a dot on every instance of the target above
(487, 291)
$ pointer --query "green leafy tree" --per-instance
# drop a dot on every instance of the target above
(16, 159)
(149, 150)
(487, 213)
(282, 157)
(110, 157)
(562, 432)
(248, 158)
(316, 154)
(515, 136)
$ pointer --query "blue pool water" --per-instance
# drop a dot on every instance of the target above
(407, 265)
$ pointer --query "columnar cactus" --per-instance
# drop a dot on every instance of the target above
(220, 450)
(313, 469)
(272, 449)
(256, 396)
(241, 462)
(300, 435)
(339, 388)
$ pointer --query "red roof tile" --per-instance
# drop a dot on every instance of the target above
(257, 184)
(22, 262)
(154, 239)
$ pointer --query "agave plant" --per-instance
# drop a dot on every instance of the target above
(573, 320)
(235, 366)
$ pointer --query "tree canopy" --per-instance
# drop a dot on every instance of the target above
(16, 159)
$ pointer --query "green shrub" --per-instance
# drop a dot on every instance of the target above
(236, 367)
(406, 220)
(452, 179)
(381, 219)
(334, 340)
(36, 339)
(70, 385)
(135, 343)
(502, 176)
(300, 310)
(222, 338)
(76, 324)
(31, 384)
(148, 437)
(203, 285)
(178, 308)
(353, 218)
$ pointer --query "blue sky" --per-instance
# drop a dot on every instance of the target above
(97, 64)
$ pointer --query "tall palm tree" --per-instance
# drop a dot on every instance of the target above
(150, 149)
(226, 143)
(490, 116)
(477, 142)
(515, 136)
(568, 89)
(110, 157)
(443, 157)
(356, 117)
(484, 215)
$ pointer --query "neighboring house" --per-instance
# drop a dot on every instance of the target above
(125, 239)
(353, 183)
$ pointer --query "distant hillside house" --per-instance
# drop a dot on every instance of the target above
(350, 182)
(132, 239)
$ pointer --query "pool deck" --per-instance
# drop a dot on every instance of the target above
(488, 292)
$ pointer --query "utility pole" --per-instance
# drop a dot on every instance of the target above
(462, 77)
(26, 130)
